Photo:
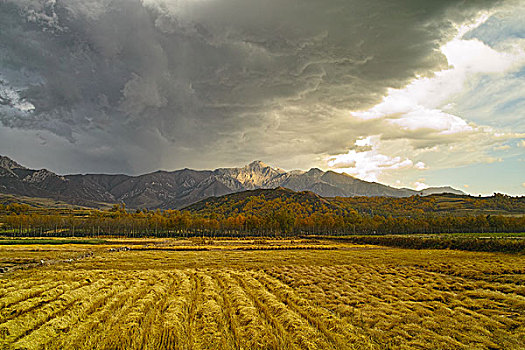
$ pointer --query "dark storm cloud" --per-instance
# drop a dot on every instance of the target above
(212, 82)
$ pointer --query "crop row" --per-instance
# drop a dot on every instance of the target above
(352, 306)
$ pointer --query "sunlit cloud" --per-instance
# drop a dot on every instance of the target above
(420, 166)
(420, 185)
(419, 120)
(369, 164)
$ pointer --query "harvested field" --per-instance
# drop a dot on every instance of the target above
(345, 297)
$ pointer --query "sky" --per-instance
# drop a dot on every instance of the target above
(406, 93)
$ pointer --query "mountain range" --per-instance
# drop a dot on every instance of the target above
(180, 188)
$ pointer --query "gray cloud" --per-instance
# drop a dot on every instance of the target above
(211, 83)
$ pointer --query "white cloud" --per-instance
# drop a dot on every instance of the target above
(420, 185)
(369, 164)
(11, 99)
(473, 56)
(421, 104)
(434, 119)
(419, 121)
(420, 166)
(362, 142)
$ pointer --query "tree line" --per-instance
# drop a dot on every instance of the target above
(278, 216)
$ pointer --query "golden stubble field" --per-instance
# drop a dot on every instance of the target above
(323, 297)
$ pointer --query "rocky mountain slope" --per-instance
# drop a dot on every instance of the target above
(177, 189)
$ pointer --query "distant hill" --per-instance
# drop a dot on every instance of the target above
(42, 203)
(180, 188)
(254, 200)
(266, 202)
(439, 190)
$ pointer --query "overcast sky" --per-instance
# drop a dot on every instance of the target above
(407, 93)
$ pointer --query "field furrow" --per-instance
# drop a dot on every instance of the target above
(155, 317)
(60, 326)
(261, 300)
(211, 325)
(250, 327)
(23, 285)
(293, 327)
(176, 316)
(87, 333)
(415, 312)
(194, 300)
(123, 321)
(24, 325)
(133, 327)
(15, 295)
(46, 294)
(342, 334)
